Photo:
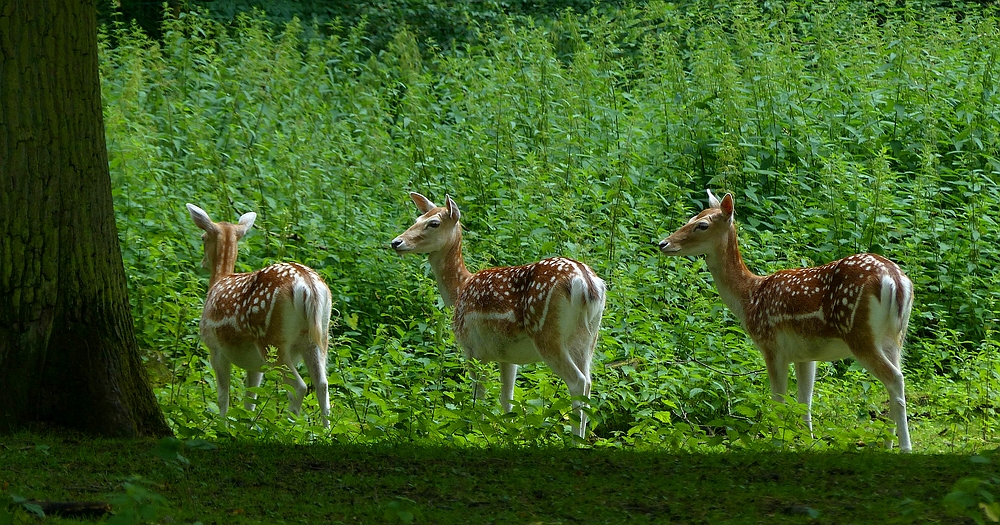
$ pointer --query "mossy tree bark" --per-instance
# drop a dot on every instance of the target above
(68, 353)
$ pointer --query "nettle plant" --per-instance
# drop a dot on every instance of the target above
(602, 129)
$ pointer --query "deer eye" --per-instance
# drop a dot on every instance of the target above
(434, 224)
(701, 226)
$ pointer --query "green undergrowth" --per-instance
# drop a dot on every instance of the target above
(840, 127)
(262, 482)
(372, 405)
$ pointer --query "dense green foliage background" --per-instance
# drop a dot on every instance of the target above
(839, 127)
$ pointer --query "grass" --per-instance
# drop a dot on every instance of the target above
(840, 127)
(259, 482)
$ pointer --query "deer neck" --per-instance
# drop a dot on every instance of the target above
(449, 270)
(733, 279)
(223, 262)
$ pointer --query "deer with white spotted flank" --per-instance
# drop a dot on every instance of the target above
(857, 306)
(546, 311)
(285, 306)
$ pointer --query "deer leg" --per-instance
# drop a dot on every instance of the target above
(805, 378)
(292, 379)
(581, 350)
(893, 351)
(253, 380)
(892, 378)
(892, 346)
(508, 373)
(891, 375)
(578, 405)
(561, 362)
(315, 360)
(777, 374)
(579, 386)
(897, 410)
(584, 358)
(222, 369)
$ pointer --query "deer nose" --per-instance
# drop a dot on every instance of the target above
(396, 243)
(663, 244)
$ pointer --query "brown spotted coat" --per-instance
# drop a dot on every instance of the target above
(857, 306)
(545, 311)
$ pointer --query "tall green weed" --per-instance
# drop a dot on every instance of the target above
(839, 128)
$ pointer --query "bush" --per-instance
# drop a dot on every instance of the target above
(839, 128)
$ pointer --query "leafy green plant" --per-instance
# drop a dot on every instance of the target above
(136, 504)
(840, 127)
(402, 510)
(19, 511)
(975, 497)
(169, 450)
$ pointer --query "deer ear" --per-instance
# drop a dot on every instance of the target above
(713, 201)
(453, 208)
(201, 218)
(727, 206)
(423, 203)
(246, 221)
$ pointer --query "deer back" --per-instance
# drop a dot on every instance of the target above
(268, 307)
(832, 300)
(520, 302)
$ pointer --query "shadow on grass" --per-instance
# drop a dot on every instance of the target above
(254, 482)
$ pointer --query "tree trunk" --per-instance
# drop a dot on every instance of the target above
(68, 353)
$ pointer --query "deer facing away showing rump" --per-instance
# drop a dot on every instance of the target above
(545, 311)
(857, 306)
(284, 306)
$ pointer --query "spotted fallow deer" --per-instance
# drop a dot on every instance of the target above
(857, 306)
(284, 306)
(545, 311)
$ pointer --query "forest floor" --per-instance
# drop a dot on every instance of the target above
(256, 482)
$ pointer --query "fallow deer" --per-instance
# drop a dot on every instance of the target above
(284, 306)
(545, 311)
(857, 306)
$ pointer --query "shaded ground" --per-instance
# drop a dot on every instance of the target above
(245, 482)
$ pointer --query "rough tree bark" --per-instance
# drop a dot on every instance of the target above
(68, 353)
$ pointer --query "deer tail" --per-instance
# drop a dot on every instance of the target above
(314, 301)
